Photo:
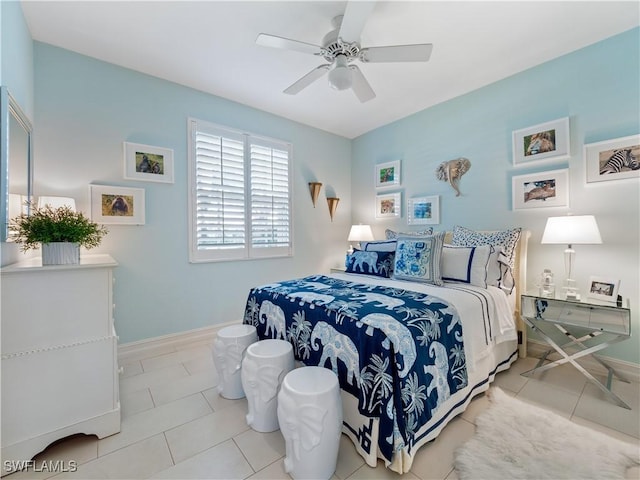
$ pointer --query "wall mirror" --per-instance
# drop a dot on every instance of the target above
(16, 163)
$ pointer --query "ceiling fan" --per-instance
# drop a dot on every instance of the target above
(341, 47)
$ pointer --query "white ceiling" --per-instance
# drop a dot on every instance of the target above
(210, 46)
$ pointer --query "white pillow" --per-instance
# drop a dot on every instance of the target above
(466, 264)
(392, 234)
(379, 246)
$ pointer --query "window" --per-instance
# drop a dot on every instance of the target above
(240, 198)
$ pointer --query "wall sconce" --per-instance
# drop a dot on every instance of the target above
(333, 204)
(314, 188)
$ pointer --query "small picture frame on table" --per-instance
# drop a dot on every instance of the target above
(603, 289)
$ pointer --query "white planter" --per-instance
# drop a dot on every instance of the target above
(60, 253)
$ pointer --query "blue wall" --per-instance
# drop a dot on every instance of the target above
(598, 88)
(83, 110)
(16, 73)
(86, 109)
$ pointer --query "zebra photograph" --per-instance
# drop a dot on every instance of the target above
(619, 161)
(613, 159)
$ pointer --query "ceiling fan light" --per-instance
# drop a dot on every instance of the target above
(340, 78)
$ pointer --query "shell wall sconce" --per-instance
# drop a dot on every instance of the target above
(314, 188)
(452, 172)
(332, 202)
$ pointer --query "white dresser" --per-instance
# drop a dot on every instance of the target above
(59, 354)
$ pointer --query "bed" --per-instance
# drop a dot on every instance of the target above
(410, 346)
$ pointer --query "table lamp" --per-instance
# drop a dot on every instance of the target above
(57, 202)
(571, 230)
(359, 233)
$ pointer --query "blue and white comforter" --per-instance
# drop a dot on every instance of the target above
(399, 352)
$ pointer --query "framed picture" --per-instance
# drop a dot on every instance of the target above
(388, 174)
(613, 159)
(388, 205)
(147, 163)
(605, 289)
(544, 189)
(117, 205)
(547, 141)
(423, 210)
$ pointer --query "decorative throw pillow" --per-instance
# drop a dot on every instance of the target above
(379, 246)
(392, 234)
(499, 272)
(466, 264)
(379, 264)
(465, 237)
(418, 259)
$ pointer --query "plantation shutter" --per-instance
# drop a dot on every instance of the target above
(270, 199)
(240, 205)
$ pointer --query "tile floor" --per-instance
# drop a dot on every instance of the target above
(174, 425)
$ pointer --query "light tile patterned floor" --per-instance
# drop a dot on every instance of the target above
(174, 425)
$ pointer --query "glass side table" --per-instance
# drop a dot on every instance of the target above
(599, 324)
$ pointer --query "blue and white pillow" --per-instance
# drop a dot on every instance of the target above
(508, 239)
(379, 246)
(392, 234)
(418, 259)
(379, 264)
(466, 264)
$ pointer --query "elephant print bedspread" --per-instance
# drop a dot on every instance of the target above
(400, 353)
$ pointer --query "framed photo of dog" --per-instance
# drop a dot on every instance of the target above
(117, 205)
(546, 141)
(148, 163)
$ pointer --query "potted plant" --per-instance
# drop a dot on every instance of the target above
(61, 232)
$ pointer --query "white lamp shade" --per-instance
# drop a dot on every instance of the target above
(17, 205)
(572, 229)
(57, 202)
(360, 233)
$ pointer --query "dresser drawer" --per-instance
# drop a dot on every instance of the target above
(46, 390)
(55, 307)
(585, 315)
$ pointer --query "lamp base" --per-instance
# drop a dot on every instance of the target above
(571, 291)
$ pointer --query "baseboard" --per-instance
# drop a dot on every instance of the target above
(630, 370)
(167, 343)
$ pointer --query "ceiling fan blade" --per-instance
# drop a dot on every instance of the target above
(274, 41)
(307, 80)
(355, 16)
(360, 86)
(397, 53)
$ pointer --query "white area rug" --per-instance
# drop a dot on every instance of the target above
(517, 440)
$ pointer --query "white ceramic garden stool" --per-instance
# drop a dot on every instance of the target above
(264, 367)
(310, 416)
(228, 351)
